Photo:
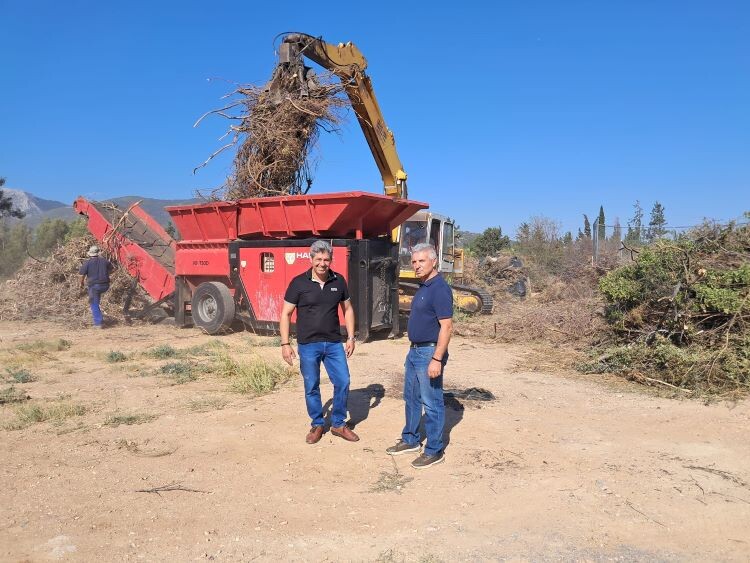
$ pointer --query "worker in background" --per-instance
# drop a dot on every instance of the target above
(429, 329)
(97, 269)
(317, 295)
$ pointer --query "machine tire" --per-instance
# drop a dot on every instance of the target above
(212, 307)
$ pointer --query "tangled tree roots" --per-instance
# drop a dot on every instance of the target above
(50, 290)
(275, 128)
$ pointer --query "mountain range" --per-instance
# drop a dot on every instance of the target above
(37, 209)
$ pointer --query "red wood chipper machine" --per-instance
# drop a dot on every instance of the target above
(235, 259)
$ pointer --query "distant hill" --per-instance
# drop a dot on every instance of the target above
(465, 238)
(154, 207)
(38, 209)
(33, 207)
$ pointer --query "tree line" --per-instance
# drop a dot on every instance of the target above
(544, 230)
(18, 241)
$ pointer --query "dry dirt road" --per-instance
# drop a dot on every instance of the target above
(560, 467)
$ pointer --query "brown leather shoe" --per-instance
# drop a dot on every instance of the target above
(315, 434)
(345, 433)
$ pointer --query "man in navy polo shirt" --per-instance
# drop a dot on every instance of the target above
(429, 329)
(317, 294)
(97, 270)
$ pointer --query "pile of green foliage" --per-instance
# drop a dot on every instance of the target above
(680, 313)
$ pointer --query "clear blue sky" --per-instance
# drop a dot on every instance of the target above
(501, 110)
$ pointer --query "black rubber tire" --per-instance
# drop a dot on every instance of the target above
(212, 307)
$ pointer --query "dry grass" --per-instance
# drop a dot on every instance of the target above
(116, 419)
(256, 377)
(56, 412)
(206, 404)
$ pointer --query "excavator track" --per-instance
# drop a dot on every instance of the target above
(485, 299)
(408, 289)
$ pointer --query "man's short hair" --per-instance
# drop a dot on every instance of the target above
(425, 247)
(320, 246)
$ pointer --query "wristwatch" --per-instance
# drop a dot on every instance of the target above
(351, 339)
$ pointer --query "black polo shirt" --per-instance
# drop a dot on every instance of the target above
(317, 308)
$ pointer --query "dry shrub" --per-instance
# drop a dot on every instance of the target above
(563, 308)
(275, 128)
(50, 289)
(531, 320)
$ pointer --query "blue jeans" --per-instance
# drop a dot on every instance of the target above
(333, 356)
(422, 391)
(95, 295)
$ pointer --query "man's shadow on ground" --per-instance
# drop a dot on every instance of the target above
(359, 404)
(362, 400)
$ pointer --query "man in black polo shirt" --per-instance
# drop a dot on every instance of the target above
(317, 295)
(430, 326)
(97, 270)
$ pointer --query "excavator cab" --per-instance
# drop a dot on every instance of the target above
(437, 230)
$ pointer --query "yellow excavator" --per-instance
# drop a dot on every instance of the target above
(348, 64)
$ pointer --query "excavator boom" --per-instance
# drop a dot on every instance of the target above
(349, 65)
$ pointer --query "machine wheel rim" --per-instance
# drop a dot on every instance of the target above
(208, 308)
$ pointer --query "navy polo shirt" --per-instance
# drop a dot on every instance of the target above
(96, 270)
(432, 302)
(317, 307)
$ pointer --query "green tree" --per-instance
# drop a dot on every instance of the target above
(47, 236)
(77, 229)
(657, 223)
(543, 244)
(491, 241)
(586, 227)
(170, 230)
(13, 244)
(616, 231)
(567, 238)
(523, 234)
(6, 204)
(635, 225)
(601, 226)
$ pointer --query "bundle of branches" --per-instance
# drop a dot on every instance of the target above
(275, 128)
(680, 314)
(50, 289)
(497, 273)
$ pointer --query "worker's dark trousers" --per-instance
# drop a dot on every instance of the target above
(422, 391)
(95, 294)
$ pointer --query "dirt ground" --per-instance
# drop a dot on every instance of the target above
(561, 467)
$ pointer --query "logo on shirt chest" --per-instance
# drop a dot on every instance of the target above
(334, 289)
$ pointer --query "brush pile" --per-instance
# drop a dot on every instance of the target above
(680, 314)
(50, 290)
(274, 129)
(532, 304)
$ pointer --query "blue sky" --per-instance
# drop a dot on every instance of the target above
(501, 110)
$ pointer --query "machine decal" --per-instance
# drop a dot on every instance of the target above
(291, 257)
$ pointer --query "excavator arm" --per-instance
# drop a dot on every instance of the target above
(349, 65)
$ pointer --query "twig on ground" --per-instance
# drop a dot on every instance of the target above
(630, 504)
(723, 474)
(169, 487)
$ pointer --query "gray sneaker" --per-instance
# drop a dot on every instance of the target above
(424, 461)
(402, 447)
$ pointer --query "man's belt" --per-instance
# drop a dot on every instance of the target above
(422, 344)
